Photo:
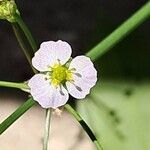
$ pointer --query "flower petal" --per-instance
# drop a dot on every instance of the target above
(84, 67)
(51, 53)
(78, 89)
(84, 77)
(45, 94)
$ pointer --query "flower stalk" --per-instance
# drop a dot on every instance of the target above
(84, 126)
(13, 85)
(47, 129)
(121, 32)
(26, 32)
(16, 115)
(21, 42)
(23, 45)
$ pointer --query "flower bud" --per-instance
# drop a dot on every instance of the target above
(8, 10)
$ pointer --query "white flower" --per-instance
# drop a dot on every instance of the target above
(60, 75)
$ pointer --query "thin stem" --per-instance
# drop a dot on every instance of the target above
(47, 129)
(26, 32)
(84, 126)
(18, 113)
(122, 31)
(13, 85)
(22, 44)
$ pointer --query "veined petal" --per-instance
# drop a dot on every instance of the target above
(51, 53)
(45, 94)
(84, 77)
(38, 84)
(84, 70)
(78, 89)
(56, 97)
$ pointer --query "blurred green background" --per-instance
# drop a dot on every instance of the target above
(118, 108)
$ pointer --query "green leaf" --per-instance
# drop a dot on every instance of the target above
(131, 103)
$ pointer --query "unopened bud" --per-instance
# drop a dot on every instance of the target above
(8, 10)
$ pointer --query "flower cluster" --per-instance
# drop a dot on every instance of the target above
(60, 75)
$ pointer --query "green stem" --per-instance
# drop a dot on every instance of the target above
(84, 126)
(122, 31)
(18, 113)
(47, 129)
(22, 44)
(26, 32)
(13, 85)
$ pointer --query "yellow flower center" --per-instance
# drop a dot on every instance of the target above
(60, 74)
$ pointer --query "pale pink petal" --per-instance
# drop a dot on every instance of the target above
(38, 84)
(79, 89)
(84, 70)
(51, 53)
(56, 97)
(80, 62)
(45, 94)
